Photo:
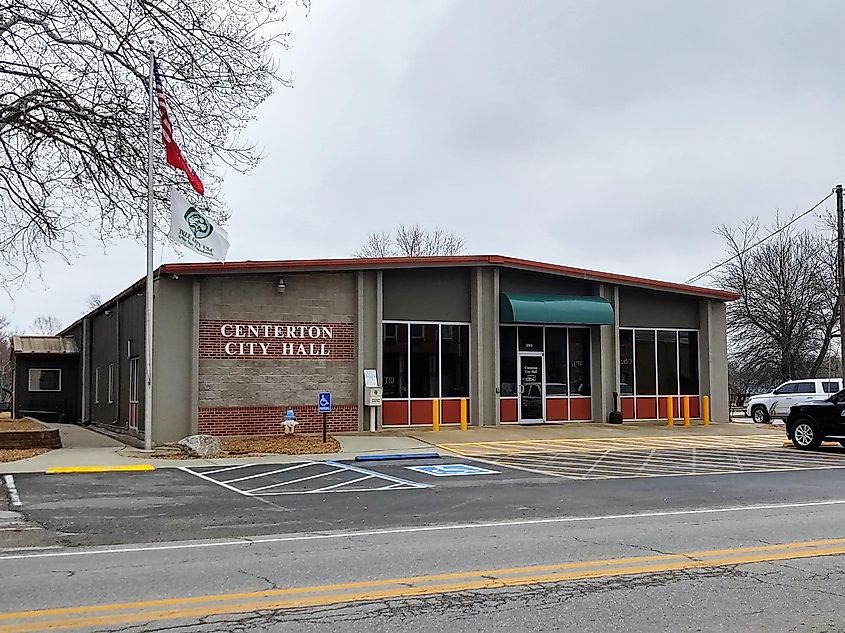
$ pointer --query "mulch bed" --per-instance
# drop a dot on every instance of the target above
(15, 454)
(20, 425)
(256, 446)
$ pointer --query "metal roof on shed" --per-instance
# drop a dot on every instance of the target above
(44, 345)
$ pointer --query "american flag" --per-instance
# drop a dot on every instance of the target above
(174, 155)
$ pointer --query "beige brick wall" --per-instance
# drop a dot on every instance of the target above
(278, 381)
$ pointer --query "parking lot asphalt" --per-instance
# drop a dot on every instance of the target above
(188, 504)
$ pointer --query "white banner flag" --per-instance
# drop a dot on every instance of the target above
(191, 228)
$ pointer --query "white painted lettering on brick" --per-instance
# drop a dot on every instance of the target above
(226, 327)
(265, 348)
(252, 330)
(301, 350)
(287, 349)
(291, 331)
(239, 330)
(229, 348)
(314, 332)
(278, 331)
(327, 332)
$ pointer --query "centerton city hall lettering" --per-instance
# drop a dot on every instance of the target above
(266, 331)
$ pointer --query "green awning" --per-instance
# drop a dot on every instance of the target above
(518, 308)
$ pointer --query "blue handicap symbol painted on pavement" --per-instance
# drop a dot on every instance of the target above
(452, 470)
(324, 402)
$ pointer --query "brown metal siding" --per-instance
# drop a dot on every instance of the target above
(651, 308)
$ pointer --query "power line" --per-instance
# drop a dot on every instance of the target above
(757, 243)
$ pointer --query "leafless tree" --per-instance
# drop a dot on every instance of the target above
(5, 353)
(787, 315)
(93, 301)
(412, 241)
(45, 326)
(73, 110)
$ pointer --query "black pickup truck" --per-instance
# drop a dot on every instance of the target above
(809, 424)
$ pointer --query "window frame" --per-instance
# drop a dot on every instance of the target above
(39, 390)
(544, 353)
(96, 385)
(677, 331)
(439, 325)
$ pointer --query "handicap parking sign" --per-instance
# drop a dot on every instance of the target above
(324, 402)
(452, 470)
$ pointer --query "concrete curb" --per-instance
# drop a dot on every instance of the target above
(395, 457)
(70, 470)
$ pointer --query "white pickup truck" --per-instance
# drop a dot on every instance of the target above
(776, 404)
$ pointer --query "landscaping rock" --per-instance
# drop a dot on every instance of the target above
(201, 445)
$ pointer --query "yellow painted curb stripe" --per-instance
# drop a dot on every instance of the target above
(130, 468)
(322, 595)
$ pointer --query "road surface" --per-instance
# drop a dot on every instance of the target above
(506, 551)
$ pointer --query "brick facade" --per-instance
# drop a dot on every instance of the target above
(276, 339)
(248, 391)
(268, 420)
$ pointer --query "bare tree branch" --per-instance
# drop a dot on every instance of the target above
(412, 241)
(73, 110)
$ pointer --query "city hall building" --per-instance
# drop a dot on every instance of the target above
(237, 344)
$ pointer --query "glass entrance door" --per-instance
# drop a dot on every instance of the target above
(531, 388)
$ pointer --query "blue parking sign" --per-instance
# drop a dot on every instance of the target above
(324, 402)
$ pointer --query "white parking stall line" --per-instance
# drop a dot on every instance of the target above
(223, 470)
(343, 483)
(292, 481)
(14, 498)
(363, 471)
(271, 472)
(214, 481)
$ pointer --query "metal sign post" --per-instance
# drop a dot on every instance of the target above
(324, 406)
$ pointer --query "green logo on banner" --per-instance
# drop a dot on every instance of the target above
(200, 227)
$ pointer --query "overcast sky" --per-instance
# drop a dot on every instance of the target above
(608, 135)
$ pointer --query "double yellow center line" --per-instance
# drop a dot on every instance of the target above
(187, 608)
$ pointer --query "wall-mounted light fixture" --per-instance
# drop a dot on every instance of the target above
(280, 287)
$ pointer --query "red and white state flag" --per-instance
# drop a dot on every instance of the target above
(174, 155)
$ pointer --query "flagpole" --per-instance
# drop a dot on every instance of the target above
(148, 331)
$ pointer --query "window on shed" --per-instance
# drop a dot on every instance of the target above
(97, 386)
(45, 379)
(111, 383)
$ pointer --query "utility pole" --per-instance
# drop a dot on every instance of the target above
(840, 273)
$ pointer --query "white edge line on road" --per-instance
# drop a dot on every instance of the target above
(14, 497)
(425, 528)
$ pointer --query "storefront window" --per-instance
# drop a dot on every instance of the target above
(395, 360)
(425, 360)
(667, 362)
(455, 357)
(556, 380)
(688, 362)
(530, 339)
(645, 362)
(579, 362)
(626, 362)
(425, 364)
(507, 361)
(658, 362)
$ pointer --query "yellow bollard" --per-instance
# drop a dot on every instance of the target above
(706, 410)
(463, 414)
(670, 413)
(435, 415)
(685, 410)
